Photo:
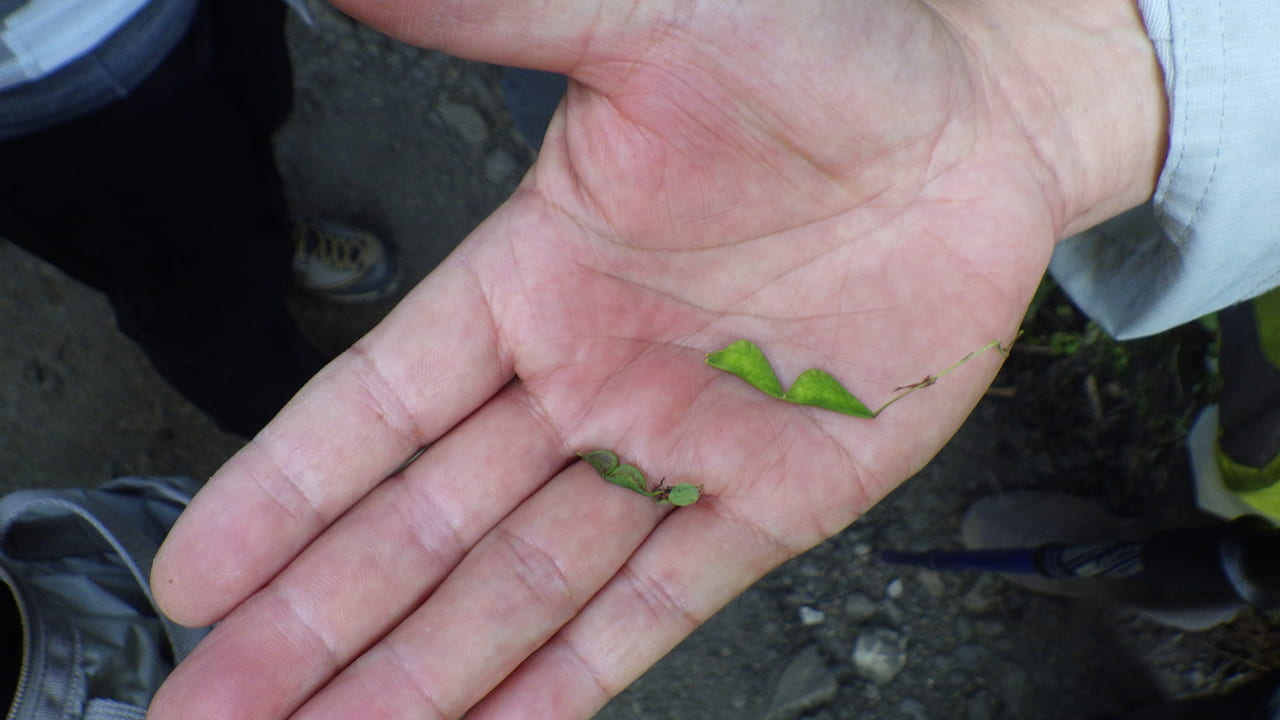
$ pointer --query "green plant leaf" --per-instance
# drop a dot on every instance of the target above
(814, 387)
(744, 359)
(630, 477)
(817, 388)
(606, 465)
(682, 494)
(603, 461)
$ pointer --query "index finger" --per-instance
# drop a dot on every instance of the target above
(428, 365)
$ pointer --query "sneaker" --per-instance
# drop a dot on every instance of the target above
(341, 263)
(1031, 518)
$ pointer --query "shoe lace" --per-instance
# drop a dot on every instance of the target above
(331, 249)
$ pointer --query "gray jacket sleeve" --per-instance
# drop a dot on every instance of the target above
(1210, 237)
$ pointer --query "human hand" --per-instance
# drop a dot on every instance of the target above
(870, 188)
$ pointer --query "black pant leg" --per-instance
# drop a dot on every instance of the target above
(169, 202)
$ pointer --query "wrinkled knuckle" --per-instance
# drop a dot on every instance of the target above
(285, 486)
(538, 573)
(428, 700)
(659, 601)
(381, 397)
(436, 538)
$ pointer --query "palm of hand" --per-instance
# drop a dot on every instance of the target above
(882, 250)
(681, 201)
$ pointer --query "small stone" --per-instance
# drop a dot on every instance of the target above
(932, 582)
(862, 549)
(894, 589)
(813, 570)
(811, 615)
(484, 92)
(806, 683)
(859, 607)
(498, 165)
(879, 654)
(466, 121)
(983, 596)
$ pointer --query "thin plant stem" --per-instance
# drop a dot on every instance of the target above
(931, 379)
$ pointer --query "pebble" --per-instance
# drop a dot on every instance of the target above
(859, 607)
(465, 120)
(811, 615)
(983, 596)
(894, 589)
(806, 683)
(932, 582)
(484, 91)
(879, 654)
(498, 165)
(813, 570)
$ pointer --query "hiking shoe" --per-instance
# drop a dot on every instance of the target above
(1031, 518)
(342, 263)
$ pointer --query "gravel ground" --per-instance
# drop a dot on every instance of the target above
(418, 146)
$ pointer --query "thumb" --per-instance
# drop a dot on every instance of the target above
(554, 35)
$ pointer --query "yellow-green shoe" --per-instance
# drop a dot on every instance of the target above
(1235, 445)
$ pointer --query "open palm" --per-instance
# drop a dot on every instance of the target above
(842, 183)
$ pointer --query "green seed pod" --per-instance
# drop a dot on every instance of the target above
(684, 494)
(603, 461)
(628, 477)
(744, 359)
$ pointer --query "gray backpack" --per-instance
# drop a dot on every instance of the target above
(80, 636)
